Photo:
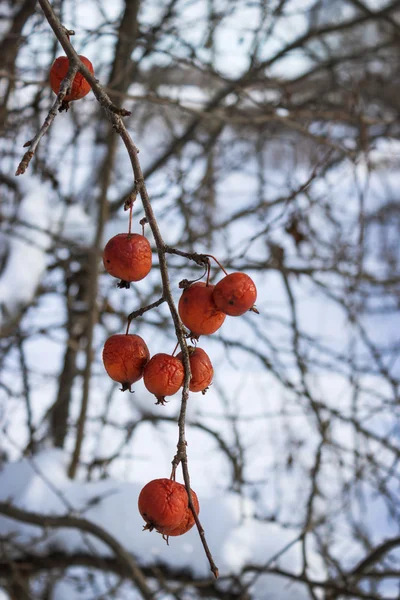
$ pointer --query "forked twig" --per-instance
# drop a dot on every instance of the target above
(33, 144)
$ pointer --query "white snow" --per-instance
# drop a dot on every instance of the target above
(233, 534)
(27, 260)
(65, 590)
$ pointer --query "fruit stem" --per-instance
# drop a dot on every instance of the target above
(208, 274)
(127, 327)
(218, 263)
(130, 219)
(177, 344)
(143, 223)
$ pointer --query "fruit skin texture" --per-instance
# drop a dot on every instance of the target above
(128, 257)
(188, 520)
(235, 294)
(125, 357)
(198, 311)
(201, 368)
(163, 504)
(79, 88)
(163, 376)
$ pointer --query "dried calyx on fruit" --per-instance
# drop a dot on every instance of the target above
(198, 310)
(163, 376)
(201, 369)
(125, 357)
(235, 294)
(164, 505)
(79, 87)
(128, 257)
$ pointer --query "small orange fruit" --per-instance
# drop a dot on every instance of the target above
(79, 88)
(163, 376)
(163, 504)
(235, 294)
(128, 257)
(125, 357)
(201, 368)
(198, 311)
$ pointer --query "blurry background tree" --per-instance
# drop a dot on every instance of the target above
(268, 135)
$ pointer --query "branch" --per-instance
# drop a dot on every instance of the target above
(71, 522)
(328, 585)
(375, 555)
(33, 144)
(31, 564)
(113, 113)
(384, 16)
(144, 309)
(62, 37)
(75, 65)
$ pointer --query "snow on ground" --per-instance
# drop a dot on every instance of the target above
(41, 485)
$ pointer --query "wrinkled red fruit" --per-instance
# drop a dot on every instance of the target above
(201, 368)
(187, 522)
(198, 311)
(235, 294)
(125, 357)
(163, 504)
(163, 376)
(127, 256)
(79, 88)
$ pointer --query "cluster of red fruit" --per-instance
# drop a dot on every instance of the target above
(202, 308)
(163, 503)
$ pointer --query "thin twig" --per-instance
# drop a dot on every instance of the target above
(73, 56)
(27, 394)
(33, 144)
(144, 309)
(200, 259)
